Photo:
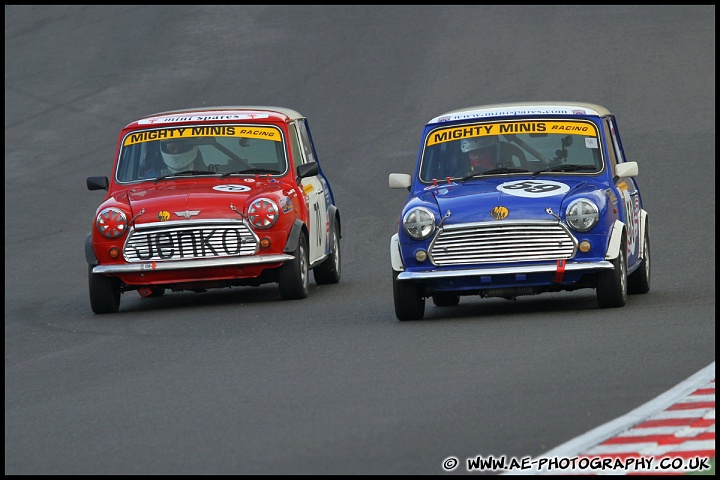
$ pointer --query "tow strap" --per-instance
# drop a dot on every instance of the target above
(560, 272)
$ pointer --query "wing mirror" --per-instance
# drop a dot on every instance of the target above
(626, 169)
(307, 170)
(98, 183)
(400, 180)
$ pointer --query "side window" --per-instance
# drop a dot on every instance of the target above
(611, 125)
(610, 144)
(306, 141)
(133, 160)
(295, 146)
(441, 161)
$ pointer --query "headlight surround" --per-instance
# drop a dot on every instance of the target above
(111, 222)
(263, 213)
(419, 223)
(582, 215)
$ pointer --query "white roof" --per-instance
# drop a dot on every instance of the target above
(290, 113)
(522, 109)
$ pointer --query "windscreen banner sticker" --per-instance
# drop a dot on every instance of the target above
(232, 188)
(533, 188)
(510, 128)
(264, 133)
(201, 118)
(507, 110)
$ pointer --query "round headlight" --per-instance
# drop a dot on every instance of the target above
(111, 222)
(582, 215)
(419, 223)
(263, 213)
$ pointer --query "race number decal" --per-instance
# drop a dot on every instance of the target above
(533, 188)
(232, 188)
(632, 220)
(636, 222)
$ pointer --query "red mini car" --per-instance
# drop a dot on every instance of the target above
(213, 197)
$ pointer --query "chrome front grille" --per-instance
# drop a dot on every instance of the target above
(163, 241)
(501, 242)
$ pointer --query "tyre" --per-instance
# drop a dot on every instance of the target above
(445, 299)
(612, 284)
(104, 292)
(293, 275)
(409, 299)
(639, 280)
(329, 270)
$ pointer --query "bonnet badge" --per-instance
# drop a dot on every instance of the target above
(499, 213)
(187, 213)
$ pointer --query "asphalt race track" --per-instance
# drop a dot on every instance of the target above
(238, 381)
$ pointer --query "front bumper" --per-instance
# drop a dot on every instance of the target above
(508, 281)
(586, 267)
(171, 265)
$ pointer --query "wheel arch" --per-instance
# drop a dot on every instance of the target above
(616, 236)
(89, 252)
(297, 229)
(334, 219)
(395, 257)
(643, 228)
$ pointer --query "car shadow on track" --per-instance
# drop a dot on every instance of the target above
(474, 306)
(132, 302)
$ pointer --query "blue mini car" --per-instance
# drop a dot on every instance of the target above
(519, 199)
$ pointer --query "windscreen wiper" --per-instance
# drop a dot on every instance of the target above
(569, 167)
(494, 171)
(185, 173)
(250, 170)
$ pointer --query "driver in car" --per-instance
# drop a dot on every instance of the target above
(177, 155)
(482, 153)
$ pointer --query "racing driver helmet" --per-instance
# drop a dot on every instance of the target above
(178, 154)
(482, 152)
(470, 144)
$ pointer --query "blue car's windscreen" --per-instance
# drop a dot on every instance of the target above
(458, 151)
